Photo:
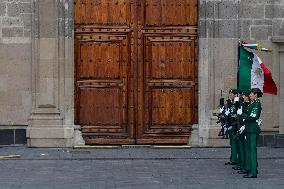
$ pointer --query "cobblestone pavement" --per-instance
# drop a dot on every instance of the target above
(131, 168)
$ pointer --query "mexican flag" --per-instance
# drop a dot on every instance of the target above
(252, 73)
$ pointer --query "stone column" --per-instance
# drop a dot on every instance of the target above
(217, 62)
(51, 121)
(280, 137)
(281, 88)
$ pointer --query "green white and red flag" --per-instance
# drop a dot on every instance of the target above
(252, 73)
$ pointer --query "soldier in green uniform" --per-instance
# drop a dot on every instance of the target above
(237, 137)
(233, 94)
(252, 131)
(242, 138)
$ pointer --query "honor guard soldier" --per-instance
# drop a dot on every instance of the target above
(252, 131)
(242, 139)
(231, 113)
(237, 136)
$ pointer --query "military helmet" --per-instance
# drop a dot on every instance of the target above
(246, 93)
(234, 91)
(257, 90)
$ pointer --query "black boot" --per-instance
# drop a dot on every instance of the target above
(243, 172)
(236, 168)
(230, 163)
(249, 176)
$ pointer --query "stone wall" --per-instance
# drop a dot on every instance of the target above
(24, 55)
(15, 62)
(221, 24)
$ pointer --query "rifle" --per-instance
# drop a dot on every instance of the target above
(239, 117)
(221, 118)
(227, 119)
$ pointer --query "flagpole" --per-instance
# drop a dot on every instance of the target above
(239, 44)
(255, 46)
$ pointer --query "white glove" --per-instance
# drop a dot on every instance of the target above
(230, 128)
(236, 99)
(240, 111)
(259, 122)
(242, 129)
(221, 109)
(227, 112)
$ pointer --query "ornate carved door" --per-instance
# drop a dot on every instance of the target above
(104, 42)
(136, 68)
(167, 67)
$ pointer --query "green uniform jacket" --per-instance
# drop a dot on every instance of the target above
(251, 117)
(233, 117)
(245, 108)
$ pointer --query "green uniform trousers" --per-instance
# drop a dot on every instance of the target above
(251, 153)
(238, 151)
(242, 154)
(233, 145)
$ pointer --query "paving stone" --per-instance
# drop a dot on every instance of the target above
(134, 168)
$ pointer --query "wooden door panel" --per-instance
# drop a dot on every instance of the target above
(102, 87)
(170, 107)
(106, 66)
(170, 12)
(170, 57)
(103, 12)
(101, 107)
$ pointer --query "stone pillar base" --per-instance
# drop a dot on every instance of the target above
(194, 137)
(41, 142)
(50, 136)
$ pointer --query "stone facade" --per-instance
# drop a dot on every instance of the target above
(15, 68)
(37, 67)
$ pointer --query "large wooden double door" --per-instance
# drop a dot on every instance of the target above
(136, 70)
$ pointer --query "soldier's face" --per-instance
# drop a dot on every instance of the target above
(252, 96)
(231, 96)
(246, 98)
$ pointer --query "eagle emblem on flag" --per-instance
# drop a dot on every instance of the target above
(258, 71)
